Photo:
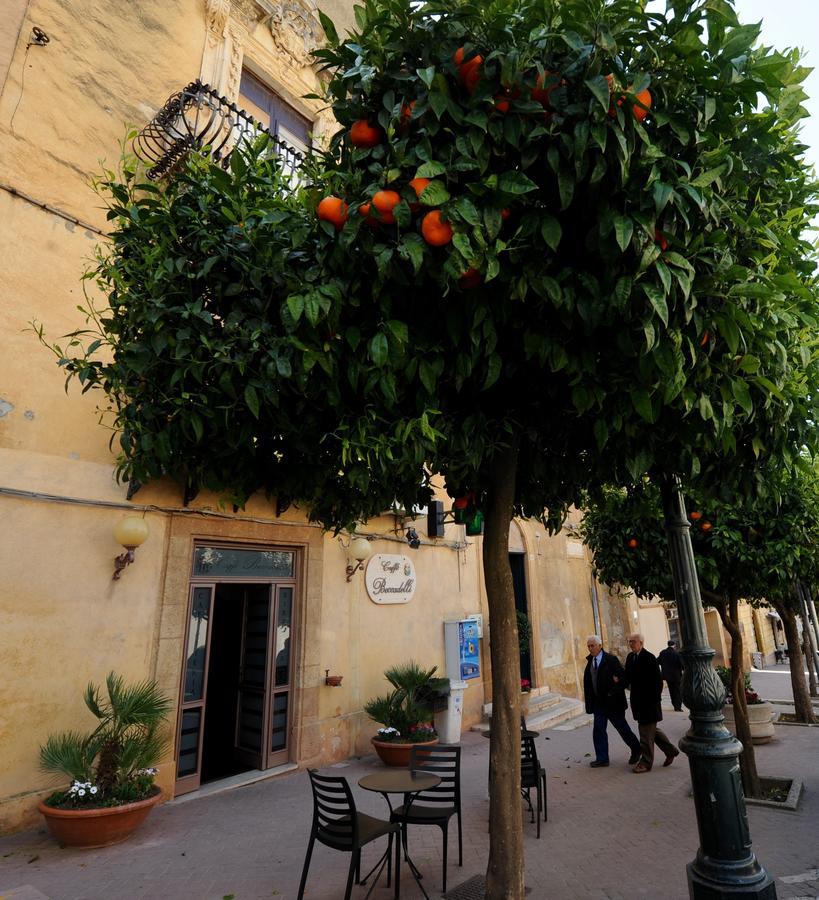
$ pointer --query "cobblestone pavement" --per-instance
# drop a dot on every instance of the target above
(611, 835)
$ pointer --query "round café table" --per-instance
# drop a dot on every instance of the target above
(409, 784)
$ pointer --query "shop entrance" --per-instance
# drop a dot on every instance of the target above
(236, 684)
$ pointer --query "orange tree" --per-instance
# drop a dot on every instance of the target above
(756, 547)
(563, 246)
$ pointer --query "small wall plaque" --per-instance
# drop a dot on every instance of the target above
(390, 578)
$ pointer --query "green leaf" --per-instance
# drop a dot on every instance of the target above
(565, 184)
(493, 370)
(599, 86)
(657, 300)
(550, 230)
(430, 170)
(379, 349)
(515, 183)
(434, 194)
(426, 75)
(642, 404)
(295, 304)
(252, 399)
(623, 230)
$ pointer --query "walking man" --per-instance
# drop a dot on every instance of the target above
(603, 688)
(671, 665)
(646, 683)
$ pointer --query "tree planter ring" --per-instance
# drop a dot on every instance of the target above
(761, 718)
(397, 754)
(88, 828)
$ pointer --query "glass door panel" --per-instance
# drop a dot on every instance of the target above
(194, 689)
(280, 695)
(253, 677)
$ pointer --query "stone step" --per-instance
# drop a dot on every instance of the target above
(539, 699)
(580, 721)
(553, 711)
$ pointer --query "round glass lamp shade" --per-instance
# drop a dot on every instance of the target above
(132, 531)
(359, 549)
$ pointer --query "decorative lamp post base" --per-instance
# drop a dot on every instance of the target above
(701, 888)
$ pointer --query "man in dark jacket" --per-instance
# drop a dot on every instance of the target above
(603, 683)
(646, 683)
(671, 665)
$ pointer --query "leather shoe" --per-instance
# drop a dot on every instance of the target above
(634, 758)
(678, 709)
(670, 758)
(598, 764)
(639, 769)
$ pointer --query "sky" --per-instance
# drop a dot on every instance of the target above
(786, 24)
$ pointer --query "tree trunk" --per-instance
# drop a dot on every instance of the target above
(504, 873)
(801, 700)
(807, 649)
(729, 613)
(812, 636)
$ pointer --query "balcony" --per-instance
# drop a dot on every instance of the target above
(198, 120)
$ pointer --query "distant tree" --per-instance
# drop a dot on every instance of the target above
(755, 548)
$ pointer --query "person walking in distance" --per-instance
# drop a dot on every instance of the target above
(643, 677)
(603, 683)
(671, 665)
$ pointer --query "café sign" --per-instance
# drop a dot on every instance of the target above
(390, 578)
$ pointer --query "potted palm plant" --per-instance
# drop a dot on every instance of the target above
(112, 769)
(406, 712)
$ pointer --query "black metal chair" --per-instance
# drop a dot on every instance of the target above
(439, 804)
(337, 824)
(532, 775)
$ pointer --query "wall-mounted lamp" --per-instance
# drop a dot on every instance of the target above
(412, 538)
(358, 549)
(131, 532)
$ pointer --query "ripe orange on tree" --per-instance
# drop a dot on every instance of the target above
(469, 71)
(505, 213)
(541, 92)
(406, 112)
(333, 210)
(634, 543)
(436, 232)
(695, 515)
(659, 238)
(364, 134)
(385, 202)
(469, 279)
(706, 526)
(645, 98)
(418, 185)
(705, 338)
(365, 210)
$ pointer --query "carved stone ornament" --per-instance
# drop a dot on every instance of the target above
(295, 29)
(216, 15)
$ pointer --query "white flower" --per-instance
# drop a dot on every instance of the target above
(81, 792)
(93, 790)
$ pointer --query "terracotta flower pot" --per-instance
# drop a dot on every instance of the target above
(87, 828)
(397, 754)
(760, 720)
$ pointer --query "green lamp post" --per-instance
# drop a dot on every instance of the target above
(725, 866)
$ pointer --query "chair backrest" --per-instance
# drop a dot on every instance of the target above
(334, 814)
(445, 762)
(529, 763)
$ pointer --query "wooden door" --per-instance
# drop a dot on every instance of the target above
(254, 678)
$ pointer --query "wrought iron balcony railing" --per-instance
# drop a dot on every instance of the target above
(199, 120)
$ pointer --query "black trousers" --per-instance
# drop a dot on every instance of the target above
(676, 693)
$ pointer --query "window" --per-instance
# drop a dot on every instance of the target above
(279, 117)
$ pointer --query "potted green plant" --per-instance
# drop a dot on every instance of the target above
(112, 769)
(761, 714)
(406, 712)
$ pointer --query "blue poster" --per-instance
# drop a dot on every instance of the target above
(470, 659)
